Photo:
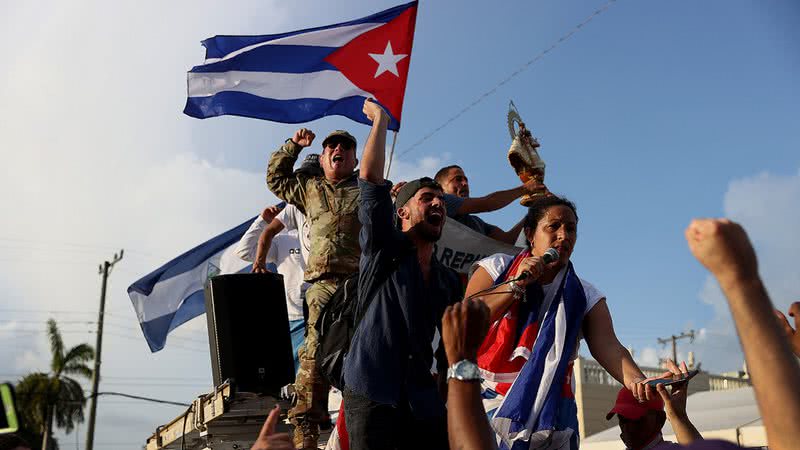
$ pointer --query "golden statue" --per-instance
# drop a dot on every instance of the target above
(523, 155)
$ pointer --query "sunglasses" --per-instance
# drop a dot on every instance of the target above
(347, 145)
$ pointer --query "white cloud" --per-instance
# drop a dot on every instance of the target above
(97, 156)
(648, 357)
(766, 206)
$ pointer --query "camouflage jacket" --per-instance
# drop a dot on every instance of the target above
(331, 211)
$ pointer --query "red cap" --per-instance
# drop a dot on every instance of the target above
(628, 407)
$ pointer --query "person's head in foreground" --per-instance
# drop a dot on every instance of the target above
(639, 423)
(420, 209)
(338, 159)
(552, 222)
(453, 181)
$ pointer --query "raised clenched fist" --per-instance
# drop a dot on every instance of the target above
(303, 137)
(723, 247)
(373, 110)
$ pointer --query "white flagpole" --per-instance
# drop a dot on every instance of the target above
(391, 154)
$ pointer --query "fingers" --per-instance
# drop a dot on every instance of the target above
(478, 312)
(673, 368)
(280, 441)
(648, 391)
(638, 389)
(794, 311)
(268, 428)
(784, 323)
(662, 391)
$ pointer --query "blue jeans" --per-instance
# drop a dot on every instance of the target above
(297, 332)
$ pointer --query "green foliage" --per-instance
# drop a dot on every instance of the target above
(45, 398)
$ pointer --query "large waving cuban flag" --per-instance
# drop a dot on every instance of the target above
(303, 75)
(174, 293)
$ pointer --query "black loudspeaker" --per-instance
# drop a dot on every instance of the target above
(248, 331)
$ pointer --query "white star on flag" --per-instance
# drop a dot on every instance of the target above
(387, 61)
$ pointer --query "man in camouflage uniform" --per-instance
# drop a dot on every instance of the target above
(330, 203)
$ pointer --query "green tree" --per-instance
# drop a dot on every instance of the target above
(54, 396)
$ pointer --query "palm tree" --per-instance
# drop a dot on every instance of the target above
(44, 397)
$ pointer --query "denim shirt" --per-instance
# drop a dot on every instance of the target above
(391, 355)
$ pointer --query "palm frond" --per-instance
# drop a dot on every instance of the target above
(69, 404)
(75, 368)
(34, 393)
(79, 353)
(56, 346)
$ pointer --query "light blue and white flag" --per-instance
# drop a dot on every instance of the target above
(173, 294)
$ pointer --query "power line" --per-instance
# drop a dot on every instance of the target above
(147, 399)
(513, 75)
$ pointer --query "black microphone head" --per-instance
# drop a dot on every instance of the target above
(550, 255)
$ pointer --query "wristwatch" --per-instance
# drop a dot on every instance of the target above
(464, 370)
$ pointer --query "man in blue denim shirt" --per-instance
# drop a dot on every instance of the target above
(392, 400)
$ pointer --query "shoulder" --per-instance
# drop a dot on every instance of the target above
(593, 294)
(371, 192)
(494, 265)
(452, 203)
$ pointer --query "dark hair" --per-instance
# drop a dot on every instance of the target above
(12, 441)
(540, 206)
(444, 171)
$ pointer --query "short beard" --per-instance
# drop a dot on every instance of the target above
(428, 234)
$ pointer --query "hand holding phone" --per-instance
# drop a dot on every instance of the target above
(674, 379)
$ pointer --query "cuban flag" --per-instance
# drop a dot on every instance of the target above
(301, 76)
(174, 293)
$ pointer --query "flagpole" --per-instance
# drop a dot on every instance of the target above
(391, 154)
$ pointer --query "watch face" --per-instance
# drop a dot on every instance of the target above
(466, 370)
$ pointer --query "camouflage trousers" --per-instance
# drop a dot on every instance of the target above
(310, 388)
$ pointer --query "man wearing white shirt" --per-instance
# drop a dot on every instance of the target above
(283, 251)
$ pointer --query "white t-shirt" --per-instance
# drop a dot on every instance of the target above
(285, 253)
(293, 219)
(495, 265)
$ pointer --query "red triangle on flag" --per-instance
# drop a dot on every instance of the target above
(377, 61)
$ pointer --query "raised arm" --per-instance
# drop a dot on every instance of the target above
(372, 161)
(464, 326)
(265, 244)
(499, 199)
(675, 406)
(281, 179)
(248, 244)
(375, 211)
(510, 236)
(724, 249)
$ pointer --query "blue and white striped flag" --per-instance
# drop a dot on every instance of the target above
(301, 76)
(173, 294)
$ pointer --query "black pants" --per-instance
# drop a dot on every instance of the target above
(377, 426)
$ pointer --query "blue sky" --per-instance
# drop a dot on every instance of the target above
(653, 113)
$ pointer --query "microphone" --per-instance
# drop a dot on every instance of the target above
(549, 256)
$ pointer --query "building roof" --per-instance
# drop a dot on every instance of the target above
(708, 411)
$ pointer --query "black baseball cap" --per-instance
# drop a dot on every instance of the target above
(411, 188)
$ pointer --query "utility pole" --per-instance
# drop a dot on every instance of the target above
(105, 269)
(674, 339)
